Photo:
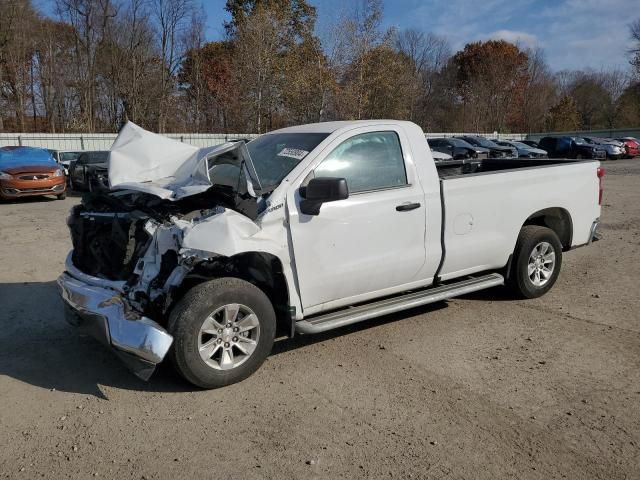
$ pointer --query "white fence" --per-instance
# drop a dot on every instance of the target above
(103, 141)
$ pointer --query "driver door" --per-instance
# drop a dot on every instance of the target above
(371, 243)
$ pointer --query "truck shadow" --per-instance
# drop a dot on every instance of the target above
(283, 345)
(495, 294)
(39, 348)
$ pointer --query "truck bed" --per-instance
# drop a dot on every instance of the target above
(454, 168)
(486, 204)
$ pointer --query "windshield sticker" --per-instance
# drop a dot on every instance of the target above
(293, 153)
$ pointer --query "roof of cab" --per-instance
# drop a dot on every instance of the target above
(330, 127)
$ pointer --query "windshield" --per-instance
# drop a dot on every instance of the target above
(580, 141)
(94, 157)
(274, 155)
(483, 142)
(68, 156)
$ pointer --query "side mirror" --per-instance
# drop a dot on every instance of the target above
(322, 190)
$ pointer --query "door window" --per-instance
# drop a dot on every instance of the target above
(370, 161)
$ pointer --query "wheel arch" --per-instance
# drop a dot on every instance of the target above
(262, 269)
(557, 219)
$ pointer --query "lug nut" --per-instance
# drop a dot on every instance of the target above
(228, 325)
(226, 345)
(219, 330)
(219, 340)
(235, 339)
(235, 329)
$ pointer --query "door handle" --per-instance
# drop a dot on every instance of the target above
(405, 207)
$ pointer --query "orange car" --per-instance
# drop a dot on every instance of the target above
(28, 172)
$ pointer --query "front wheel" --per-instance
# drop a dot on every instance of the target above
(536, 262)
(223, 331)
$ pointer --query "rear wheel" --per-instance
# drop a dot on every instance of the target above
(223, 331)
(536, 262)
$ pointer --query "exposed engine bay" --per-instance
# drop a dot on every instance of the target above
(143, 241)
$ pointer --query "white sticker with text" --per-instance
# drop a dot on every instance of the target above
(293, 153)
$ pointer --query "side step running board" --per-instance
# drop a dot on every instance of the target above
(360, 313)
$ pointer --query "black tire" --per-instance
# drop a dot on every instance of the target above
(188, 316)
(519, 281)
(62, 196)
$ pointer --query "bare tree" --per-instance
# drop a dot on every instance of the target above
(427, 54)
(539, 92)
(614, 83)
(16, 50)
(193, 40)
(257, 67)
(634, 30)
(90, 20)
(171, 17)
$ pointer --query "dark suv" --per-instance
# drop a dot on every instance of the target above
(570, 147)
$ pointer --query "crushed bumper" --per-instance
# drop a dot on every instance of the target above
(102, 313)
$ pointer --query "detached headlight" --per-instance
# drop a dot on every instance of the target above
(5, 176)
(58, 173)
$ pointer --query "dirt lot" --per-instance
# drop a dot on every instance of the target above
(480, 388)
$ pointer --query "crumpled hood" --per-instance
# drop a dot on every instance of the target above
(147, 162)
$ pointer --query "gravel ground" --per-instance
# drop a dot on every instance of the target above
(481, 387)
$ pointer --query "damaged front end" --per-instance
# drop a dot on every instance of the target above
(133, 247)
(129, 260)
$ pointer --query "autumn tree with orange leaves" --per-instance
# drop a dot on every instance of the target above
(490, 81)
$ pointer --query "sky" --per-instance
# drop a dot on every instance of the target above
(575, 34)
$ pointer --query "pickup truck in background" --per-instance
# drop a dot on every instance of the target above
(203, 255)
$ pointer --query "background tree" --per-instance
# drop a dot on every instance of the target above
(99, 63)
(491, 78)
(563, 116)
(427, 55)
(634, 30)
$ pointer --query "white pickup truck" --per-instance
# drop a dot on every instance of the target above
(205, 254)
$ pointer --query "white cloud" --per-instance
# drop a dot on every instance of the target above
(575, 34)
(523, 39)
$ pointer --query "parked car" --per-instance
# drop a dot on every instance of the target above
(631, 147)
(203, 254)
(29, 172)
(571, 147)
(440, 156)
(531, 143)
(522, 149)
(89, 170)
(495, 151)
(64, 158)
(457, 148)
(613, 148)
